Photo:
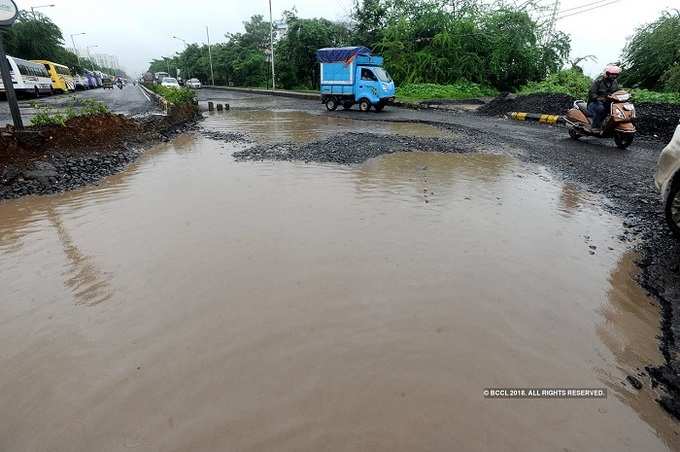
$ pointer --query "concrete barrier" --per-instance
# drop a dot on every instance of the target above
(542, 119)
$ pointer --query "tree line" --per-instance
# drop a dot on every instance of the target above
(497, 44)
(35, 37)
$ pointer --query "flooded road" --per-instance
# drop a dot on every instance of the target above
(196, 303)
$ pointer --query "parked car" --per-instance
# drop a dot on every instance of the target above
(193, 83)
(668, 181)
(107, 83)
(170, 82)
(28, 77)
(81, 82)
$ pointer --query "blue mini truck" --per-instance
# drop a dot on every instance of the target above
(351, 75)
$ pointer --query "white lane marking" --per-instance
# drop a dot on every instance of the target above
(144, 92)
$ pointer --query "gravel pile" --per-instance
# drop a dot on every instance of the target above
(657, 120)
(351, 148)
(550, 104)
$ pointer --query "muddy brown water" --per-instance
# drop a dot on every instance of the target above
(195, 303)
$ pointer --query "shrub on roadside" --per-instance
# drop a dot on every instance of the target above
(645, 95)
(48, 116)
(567, 81)
(459, 90)
(174, 96)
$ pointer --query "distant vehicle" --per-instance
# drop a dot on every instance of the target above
(81, 82)
(351, 75)
(107, 83)
(170, 82)
(159, 76)
(62, 80)
(28, 77)
(193, 83)
(668, 181)
(91, 80)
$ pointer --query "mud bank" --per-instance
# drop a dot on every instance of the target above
(44, 160)
(353, 148)
(655, 120)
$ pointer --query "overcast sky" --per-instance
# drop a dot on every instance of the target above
(137, 30)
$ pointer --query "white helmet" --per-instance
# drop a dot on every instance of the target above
(612, 69)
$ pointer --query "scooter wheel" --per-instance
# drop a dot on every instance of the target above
(623, 140)
(574, 134)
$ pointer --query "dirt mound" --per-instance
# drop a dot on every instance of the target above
(658, 120)
(551, 104)
(352, 148)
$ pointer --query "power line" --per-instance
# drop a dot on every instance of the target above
(589, 9)
(582, 6)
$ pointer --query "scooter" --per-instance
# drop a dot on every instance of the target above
(618, 124)
(120, 84)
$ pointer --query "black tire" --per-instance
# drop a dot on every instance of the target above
(347, 105)
(673, 206)
(623, 140)
(379, 107)
(331, 104)
(364, 105)
(36, 92)
(573, 134)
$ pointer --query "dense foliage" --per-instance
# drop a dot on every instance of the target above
(458, 90)
(423, 41)
(652, 56)
(569, 81)
(174, 96)
(35, 37)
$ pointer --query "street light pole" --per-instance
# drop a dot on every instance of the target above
(90, 57)
(271, 41)
(75, 49)
(212, 74)
(33, 8)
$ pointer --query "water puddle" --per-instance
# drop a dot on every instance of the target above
(275, 126)
(198, 303)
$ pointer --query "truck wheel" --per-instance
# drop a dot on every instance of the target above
(379, 107)
(364, 105)
(673, 206)
(623, 140)
(331, 104)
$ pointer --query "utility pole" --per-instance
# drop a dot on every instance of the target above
(7, 17)
(271, 41)
(553, 20)
(212, 74)
(75, 49)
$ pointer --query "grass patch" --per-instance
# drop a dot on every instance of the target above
(414, 92)
(645, 95)
(568, 81)
(175, 96)
(48, 116)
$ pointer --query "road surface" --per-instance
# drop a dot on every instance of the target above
(131, 100)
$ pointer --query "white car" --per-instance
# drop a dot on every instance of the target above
(170, 82)
(193, 83)
(668, 181)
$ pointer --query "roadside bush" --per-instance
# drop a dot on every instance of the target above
(645, 95)
(459, 90)
(568, 81)
(48, 116)
(671, 79)
(174, 96)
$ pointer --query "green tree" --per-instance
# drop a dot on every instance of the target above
(34, 37)
(652, 52)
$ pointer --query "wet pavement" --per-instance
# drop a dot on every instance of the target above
(131, 100)
(196, 302)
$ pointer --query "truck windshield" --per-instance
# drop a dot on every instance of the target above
(382, 74)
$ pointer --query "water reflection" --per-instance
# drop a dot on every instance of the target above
(630, 321)
(273, 126)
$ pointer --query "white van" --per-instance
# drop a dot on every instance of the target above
(28, 77)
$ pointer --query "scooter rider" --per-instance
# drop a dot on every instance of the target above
(601, 88)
